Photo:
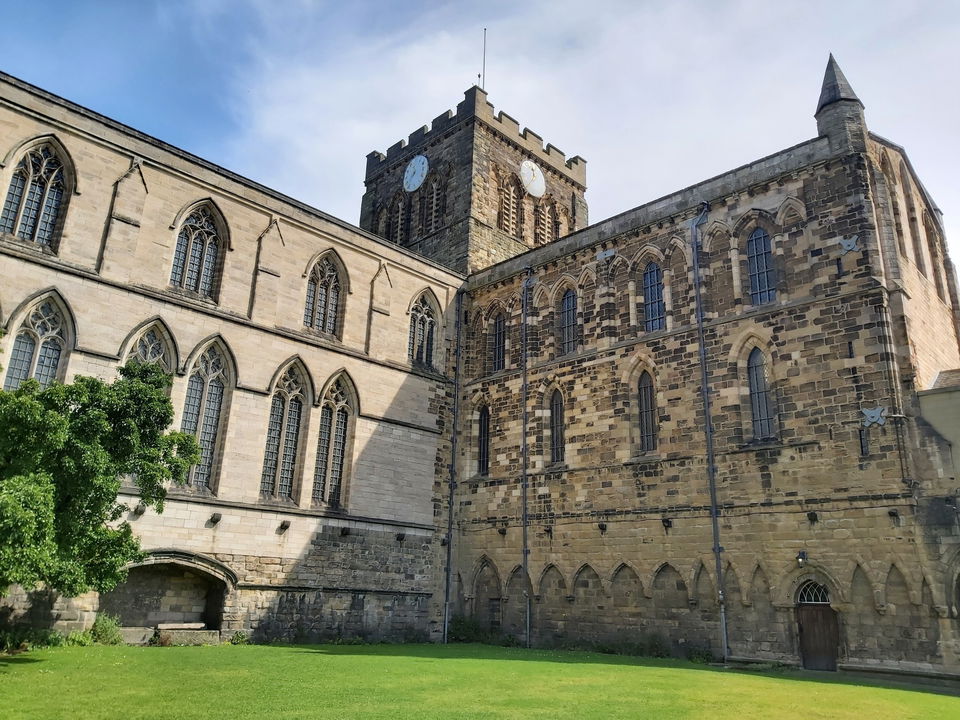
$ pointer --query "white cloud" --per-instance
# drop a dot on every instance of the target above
(656, 95)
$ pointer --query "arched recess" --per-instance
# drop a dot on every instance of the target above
(564, 282)
(128, 347)
(784, 593)
(716, 237)
(676, 244)
(487, 594)
(517, 592)
(587, 581)
(704, 586)
(172, 585)
(790, 212)
(625, 586)
(668, 590)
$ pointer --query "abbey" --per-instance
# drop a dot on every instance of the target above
(724, 421)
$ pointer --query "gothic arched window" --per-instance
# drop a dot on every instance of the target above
(567, 325)
(499, 350)
(647, 405)
(283, 435)
(557, 444)
(654, 309)
(322, 309)
(35, 200)
(197, 256)
(763, 288)
(762, 410)
(422, 326)
(336, 416)
(483, 441)
(202, 411)
(39, 347)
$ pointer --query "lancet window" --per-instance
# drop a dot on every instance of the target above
(422, 327)
(38, 350)
(197, 255)
(336, 415)
(280, 458)
(322, 309)
(202, 412)
(35, 199)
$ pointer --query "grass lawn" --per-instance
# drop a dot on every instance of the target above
(424, 681)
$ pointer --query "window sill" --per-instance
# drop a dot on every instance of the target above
(645, 459)
(191, 295)
(17, 241)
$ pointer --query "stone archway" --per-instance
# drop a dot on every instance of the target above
(171, 587)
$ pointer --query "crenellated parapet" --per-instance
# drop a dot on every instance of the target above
(476, 106)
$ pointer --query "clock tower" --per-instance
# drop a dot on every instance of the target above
(473, 189)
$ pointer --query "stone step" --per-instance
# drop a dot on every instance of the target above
(181, 626)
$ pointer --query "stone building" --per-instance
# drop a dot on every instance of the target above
(476, 403)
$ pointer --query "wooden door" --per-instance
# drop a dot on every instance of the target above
(819, 636)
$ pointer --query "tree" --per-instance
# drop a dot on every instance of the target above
(64, 452)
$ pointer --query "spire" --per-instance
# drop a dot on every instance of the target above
(835, 86)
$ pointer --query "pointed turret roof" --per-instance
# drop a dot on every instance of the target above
(835, 86)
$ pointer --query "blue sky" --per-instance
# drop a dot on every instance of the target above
(655, 95)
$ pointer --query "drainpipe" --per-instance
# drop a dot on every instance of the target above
(524, 449)
(452, 482)
(708, 423)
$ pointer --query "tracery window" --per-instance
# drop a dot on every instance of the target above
(335, 420)
(760, 268)
(202, 411)
(283, 436)
(647, 405)
(813, 593)
(322, 309)
(35, 199)
(39, 347)
(151, 349)
(557, 443)
(197, 255)
(510, 218)
(654, 309)
(568, 322)
(483, 441)
(498, 356)
(761, 400)
(422, 325)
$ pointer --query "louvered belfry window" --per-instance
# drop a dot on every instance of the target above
(280, 458)
(322, 309)
(329, 473)
(654, 309)
(202, 412)
(39, 347)
(557, 443)
(197, 256)
(483, 441)
(509, 217)
(648, 413)
(568, 322)
(498, 358)
(35, 198)
(422, 325)
(761, 401)
(763, 284)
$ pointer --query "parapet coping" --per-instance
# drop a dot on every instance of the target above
(163, 146)
(476, 105)
(683, 201)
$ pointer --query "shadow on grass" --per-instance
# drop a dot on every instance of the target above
(22, 658)
(476, 651)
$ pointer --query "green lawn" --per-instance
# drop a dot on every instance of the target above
(424, 681)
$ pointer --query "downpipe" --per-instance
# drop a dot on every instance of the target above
(524, 452)
(452, 481)
(708, 423)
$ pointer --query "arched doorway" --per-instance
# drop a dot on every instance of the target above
(818, 627)
(170, 589)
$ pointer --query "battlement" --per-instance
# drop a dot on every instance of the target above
(476, 105)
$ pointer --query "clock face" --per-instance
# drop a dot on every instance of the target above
(532, 178)
(416, 171)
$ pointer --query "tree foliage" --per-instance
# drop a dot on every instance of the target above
(64, 453)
